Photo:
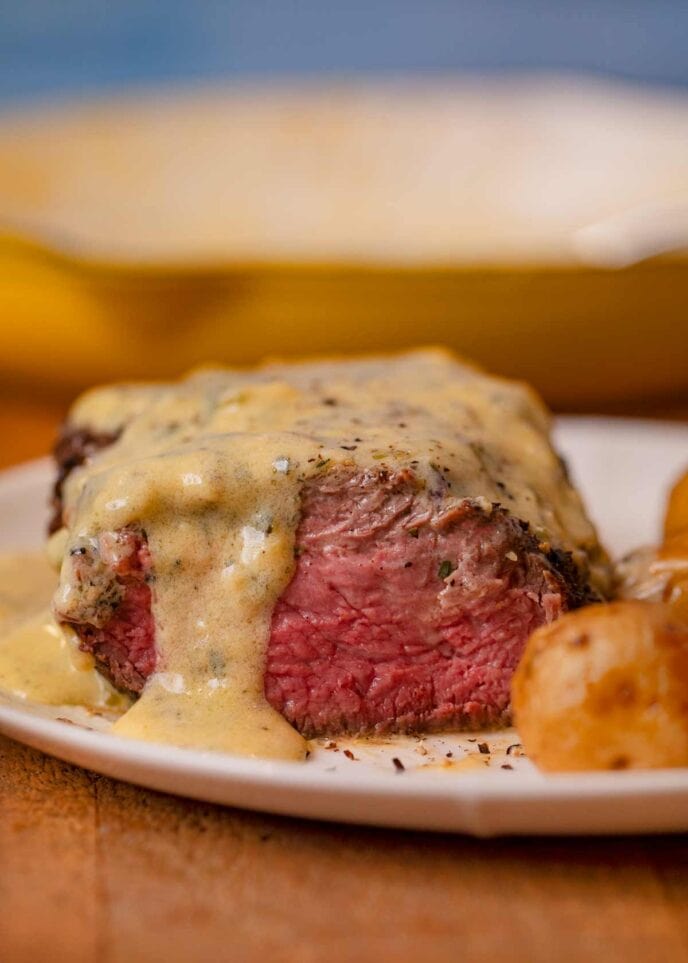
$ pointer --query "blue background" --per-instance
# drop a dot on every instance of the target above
(53, 48)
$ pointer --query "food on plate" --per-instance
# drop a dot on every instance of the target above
(660, 573)
(606, 687)
(40, 660)
(351, 546)
(676, 518)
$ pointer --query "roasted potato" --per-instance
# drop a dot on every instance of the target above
(676, 518)
(606, 687)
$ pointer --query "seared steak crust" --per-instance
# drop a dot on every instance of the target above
(74, 446)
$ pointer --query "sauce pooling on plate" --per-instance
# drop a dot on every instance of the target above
(40, 661)
(211, 470)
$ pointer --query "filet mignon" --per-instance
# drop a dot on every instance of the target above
(400, 616)
(432, 524)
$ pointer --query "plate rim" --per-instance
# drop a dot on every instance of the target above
(165, 768)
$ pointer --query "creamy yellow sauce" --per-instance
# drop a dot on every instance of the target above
(40, 661)
(27, 583)
(212, 469)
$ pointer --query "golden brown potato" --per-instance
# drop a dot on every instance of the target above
(676, 518)
(671, 564)
(606, 687)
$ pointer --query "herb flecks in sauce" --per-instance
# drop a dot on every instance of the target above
(445, 569)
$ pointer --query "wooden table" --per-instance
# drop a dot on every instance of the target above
(98, 871)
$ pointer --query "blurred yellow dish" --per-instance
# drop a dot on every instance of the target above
(144, 235)
(582, 337)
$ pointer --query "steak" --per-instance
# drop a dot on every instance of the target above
(74, 446)
(402, 615)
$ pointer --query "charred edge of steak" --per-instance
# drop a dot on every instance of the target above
(578, 589)
(73, 447)
(575, 587)
(111, 607)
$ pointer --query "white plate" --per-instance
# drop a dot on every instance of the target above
(623, 468)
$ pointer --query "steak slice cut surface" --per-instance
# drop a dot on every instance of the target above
(407, 611)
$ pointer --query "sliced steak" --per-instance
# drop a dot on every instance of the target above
(112, 611)
(407, 610)
(403, 615)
